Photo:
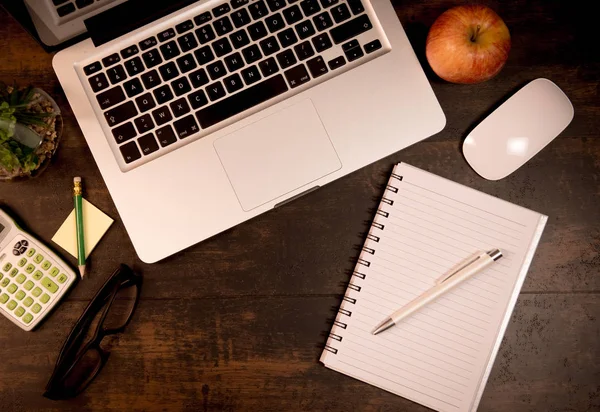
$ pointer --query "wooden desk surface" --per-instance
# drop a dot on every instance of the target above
(238, 322)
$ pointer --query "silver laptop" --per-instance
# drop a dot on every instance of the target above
(220, 111)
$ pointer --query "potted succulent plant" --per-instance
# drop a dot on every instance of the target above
(30, 131)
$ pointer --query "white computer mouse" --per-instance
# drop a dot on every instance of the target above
(518, 129)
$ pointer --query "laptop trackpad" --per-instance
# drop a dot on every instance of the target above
(277, 155)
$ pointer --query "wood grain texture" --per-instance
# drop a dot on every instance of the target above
(237, 322)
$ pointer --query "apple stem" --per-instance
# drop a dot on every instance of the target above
(474, 35)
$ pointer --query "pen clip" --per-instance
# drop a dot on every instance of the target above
(447, 276)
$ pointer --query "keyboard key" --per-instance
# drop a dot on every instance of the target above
(251, 75)
(239, 39)
(66, 9)
(116, 74)
(204, 55)
(223, 26)
(321, 42)
(182, 85)
(356, 6)
(29, 268)
(27, 318)
(144, 123)
(241, 101)
(197, 99)
(354, 53)
(372, 46)
(92, 68)
(205, 34)
(30, 252)
(215, 91)
(54, 271)
(222, 47)
(21, 278)
(20, 295)
(328, 3)
(268, 67)
(6, 267)
(11, 305)
(180, 107)
(166, 136)
(258, 10)
(5, 282)
(36, 292)
(297, 76)
(304, 50)
(292, 14)
(123, 133)
(151, 79)
(134, 66)
(257, 30)
(166, 35)
(351, 29)
(170, 50)
(145, 102)
(185, 26)
(4, 298)
(120, 113)
(202, 18)
(36, 308)
(275, 22)
(163, 94)
(287, 37)
(322, 21)
(28, 285)
(186, 127)
(19, 312)
(133, 87)
(187, 42)
(238, 3)
(340, 13)
(269, 46)
(98, 82)
(350, 45)
(129, 51)
(130, 152)
(37, 275)
(62, 278)
(152, 58)
(305, 29)
(38, 258)
(148, 43)
(168, 71)
(49, 285)
(240, 18)
(13, 272)
(310, 7)
(286, 59)
(317, 66)
(186, 63)
(148, 145)
(110, 97)
(275, 5)
(23, 261)
(251, 54)
(337, 62)
(27, 302)
(83, 3)
(221, 10)
(233, 83)
(234, 62)
(198, 78)
(45, 298)
(161, 116)
(216, 70)
(110, 60)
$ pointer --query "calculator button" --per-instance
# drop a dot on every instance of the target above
(30, 268)
(16, 252)
(36, 292)
(20, 295)
(5, 282)
(30, 252)
(7, 267)
(24, 243)
(38, 258)
(62, 278)
(36, 308)
(13, 272)
(46, 265)
(37, 275)
(20, 279)
(3, 298)
(49, 285)
(28, 285)
(12, 288)
(23, 249)
(27, 302)
(11, 305)
(27, 318)
(17, 245)
(54, 271)
(22, 262)
(19, 312)
(45, 298)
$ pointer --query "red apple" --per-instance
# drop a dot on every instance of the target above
(467, 44)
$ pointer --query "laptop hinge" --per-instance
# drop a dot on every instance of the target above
(129, 16)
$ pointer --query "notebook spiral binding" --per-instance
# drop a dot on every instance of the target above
(363, 262)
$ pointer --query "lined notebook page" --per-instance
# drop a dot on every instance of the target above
(442, 355)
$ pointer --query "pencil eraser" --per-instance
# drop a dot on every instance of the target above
(77, 179)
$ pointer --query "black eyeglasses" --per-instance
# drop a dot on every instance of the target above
(80, 359)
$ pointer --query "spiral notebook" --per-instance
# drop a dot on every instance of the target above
(442, 355)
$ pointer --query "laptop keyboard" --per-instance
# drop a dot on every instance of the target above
(187, 81)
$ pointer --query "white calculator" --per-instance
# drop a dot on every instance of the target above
(33, 279)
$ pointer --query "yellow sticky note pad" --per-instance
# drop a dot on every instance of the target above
(95, 225)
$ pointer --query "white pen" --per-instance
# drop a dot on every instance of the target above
(444, 284)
